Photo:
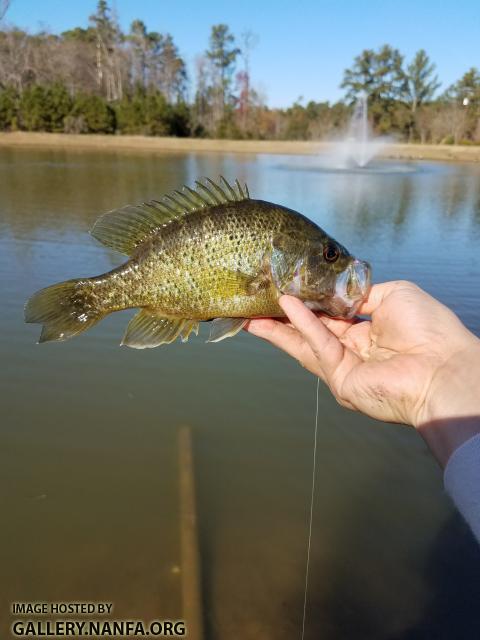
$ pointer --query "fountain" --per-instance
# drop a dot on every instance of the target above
(355, 152)
(359, 147)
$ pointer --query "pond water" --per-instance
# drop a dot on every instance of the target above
(88, 435)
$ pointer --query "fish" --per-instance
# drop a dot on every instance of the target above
(209, 253)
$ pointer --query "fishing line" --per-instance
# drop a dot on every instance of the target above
(312, 496)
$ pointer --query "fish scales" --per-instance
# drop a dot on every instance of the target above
(224, 258)
(191, 268)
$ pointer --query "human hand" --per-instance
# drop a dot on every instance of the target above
(412, 362)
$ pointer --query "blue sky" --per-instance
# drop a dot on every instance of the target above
(303, 46)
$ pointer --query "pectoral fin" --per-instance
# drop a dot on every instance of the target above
(148, 329)
(260, 283)
(284, 260)
(222, 328)
(229, 283)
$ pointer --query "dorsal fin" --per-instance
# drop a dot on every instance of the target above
(124, 229)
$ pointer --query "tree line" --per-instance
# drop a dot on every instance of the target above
(99, 79)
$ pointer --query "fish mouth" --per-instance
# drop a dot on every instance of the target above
(339, 298)
(352, 288)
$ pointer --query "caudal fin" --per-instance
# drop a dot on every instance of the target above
(65, 309)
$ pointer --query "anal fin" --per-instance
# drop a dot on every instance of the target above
(222, 328)
(188, 327)
(149, 329)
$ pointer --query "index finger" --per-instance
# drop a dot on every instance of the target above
(324, 344)
(284, 337)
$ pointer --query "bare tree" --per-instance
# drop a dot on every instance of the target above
(202, 107)
(174, 74)
(4, 4)
(78, 65)
(17, 66)
(249, 41)
(449, 124)
(140, 46)
(107, 58)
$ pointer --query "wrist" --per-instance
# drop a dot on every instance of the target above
(451, 412)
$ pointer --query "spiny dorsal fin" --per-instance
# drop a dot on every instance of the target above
(124, 229)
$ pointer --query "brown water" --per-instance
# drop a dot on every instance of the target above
(88, 456)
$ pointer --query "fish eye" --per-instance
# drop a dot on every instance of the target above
(331, 253)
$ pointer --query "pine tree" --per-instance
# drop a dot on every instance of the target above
(107, 36)
(222, 55)
(421, 81)
(380, 75)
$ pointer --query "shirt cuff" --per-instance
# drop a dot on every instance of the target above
(462, 481)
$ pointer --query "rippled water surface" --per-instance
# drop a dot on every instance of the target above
(88, 435)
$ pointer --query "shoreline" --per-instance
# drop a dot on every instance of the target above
(395, 151)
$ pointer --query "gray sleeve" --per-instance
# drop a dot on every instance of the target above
(462, 481)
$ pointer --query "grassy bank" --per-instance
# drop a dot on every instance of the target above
(197, 145)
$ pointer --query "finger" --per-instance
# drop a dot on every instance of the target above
(359, 339)
(260, 326)
(379, 292)
(324, 344)
(336, 325)
(286, 338)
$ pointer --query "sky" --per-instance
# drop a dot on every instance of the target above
(303, 45)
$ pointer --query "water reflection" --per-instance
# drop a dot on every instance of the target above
(93, 427)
